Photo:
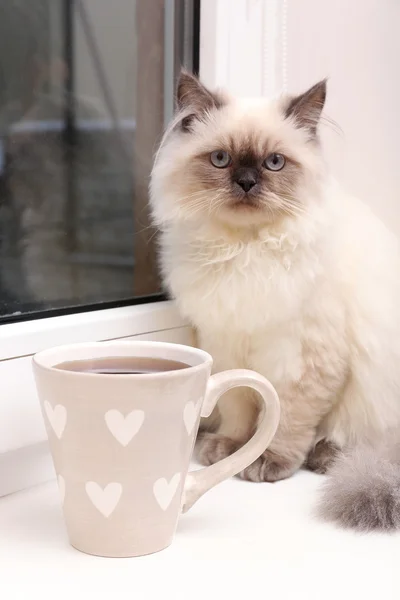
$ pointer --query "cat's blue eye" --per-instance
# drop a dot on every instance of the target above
(274, 162)
(220, 159)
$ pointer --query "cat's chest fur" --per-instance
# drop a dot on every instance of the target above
(245, 286)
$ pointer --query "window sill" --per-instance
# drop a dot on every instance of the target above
(24, 456)
(26, 338)
(267, 530)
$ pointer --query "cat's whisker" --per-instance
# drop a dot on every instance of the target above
(194, 210)
(198, 201)
(289, 207)
(210, 204)
(295, 209)
(282, 202)
(156, 232)
(200, 192)
(194, 207)
(290, 201)
(146, 228)
(218, 201)
(290, 212)
(331, 124)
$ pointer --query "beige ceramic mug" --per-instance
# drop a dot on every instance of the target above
(121, 444)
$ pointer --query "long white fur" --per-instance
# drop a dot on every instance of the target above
(330, 274)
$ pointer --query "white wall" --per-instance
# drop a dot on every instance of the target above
(356, 43)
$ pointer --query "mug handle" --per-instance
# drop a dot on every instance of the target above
(199, 482)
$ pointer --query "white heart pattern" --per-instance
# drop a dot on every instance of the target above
(164, 491)
(57, 417)
(123, 428)
(190, 416)
(104, 499)
(61, 487)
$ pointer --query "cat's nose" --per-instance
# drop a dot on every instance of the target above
(247, 180)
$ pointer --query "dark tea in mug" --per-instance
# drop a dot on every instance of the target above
(122, 365)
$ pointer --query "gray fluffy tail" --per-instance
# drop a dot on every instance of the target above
(363, 488)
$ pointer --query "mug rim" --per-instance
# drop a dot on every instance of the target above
(42, 355)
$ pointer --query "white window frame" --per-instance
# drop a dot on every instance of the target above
(238, 42)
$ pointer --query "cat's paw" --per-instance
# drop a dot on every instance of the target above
(213, 447)
(322, 457)
(269, 467)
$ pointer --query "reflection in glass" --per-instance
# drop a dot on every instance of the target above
(81, 109)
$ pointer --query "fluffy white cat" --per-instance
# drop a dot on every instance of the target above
(282, 272)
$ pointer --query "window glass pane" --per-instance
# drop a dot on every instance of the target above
(85, 89)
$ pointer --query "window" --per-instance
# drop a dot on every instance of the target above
(85, 89)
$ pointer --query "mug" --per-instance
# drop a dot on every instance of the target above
(122, 443)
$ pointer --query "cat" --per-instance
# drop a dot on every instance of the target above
(279, 271)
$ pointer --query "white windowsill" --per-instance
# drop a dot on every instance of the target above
(28, 337)
(266, 531)
(24, 455)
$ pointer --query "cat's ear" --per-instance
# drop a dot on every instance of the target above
(306, 109)
(194, 97)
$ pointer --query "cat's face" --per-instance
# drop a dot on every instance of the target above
(239, 162)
